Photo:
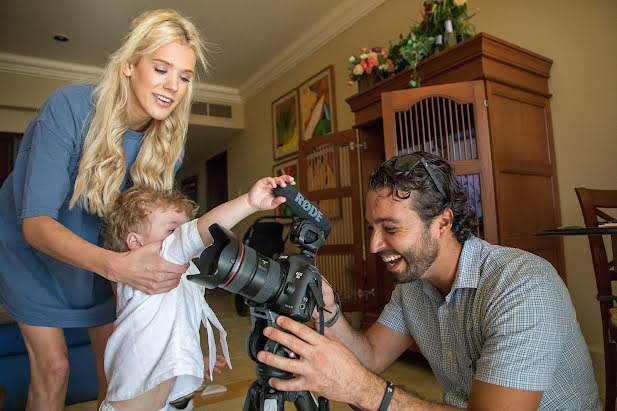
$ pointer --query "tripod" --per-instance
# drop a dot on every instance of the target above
(261, 396)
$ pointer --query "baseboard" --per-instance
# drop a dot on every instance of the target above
(597, 361)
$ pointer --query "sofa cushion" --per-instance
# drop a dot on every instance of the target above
(11, 341)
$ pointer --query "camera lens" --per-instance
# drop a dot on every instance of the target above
(232, 266)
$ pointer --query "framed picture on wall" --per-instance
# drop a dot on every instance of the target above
(317, 114)
(289, 167)
(285, 124)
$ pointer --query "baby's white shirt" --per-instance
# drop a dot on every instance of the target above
(156, 337)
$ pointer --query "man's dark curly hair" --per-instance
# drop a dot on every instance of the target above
(429, 203)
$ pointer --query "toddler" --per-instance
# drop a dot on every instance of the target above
(154, 354)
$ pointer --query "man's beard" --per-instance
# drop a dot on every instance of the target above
(417, 260)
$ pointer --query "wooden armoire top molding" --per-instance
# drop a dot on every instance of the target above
(481, 57)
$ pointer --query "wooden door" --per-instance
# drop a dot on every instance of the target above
(526, 189)
(329, 177)
(216, 180)
(451, 121)
(9, 144)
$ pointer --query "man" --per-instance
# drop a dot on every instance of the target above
(496, 324)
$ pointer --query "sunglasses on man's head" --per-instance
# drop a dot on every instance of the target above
(408, 162)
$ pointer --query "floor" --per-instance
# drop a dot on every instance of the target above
(411, 371)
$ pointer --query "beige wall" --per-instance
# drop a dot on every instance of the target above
(580, 38)
(20, 97)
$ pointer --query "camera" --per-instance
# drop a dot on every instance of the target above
(290, 286)
(285, 286)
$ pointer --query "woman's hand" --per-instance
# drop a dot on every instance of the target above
(145, 270)
(261, 196)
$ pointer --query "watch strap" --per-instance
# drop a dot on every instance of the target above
(387, 396)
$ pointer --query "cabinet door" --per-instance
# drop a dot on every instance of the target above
(329, 177)
(450, 121)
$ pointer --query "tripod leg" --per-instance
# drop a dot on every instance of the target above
(251, 402)
(306, 402)
(263, 398)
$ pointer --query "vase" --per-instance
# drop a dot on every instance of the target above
(365, 82)
(449, 36)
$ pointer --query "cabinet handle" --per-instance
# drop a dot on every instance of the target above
(366, 293)
(353, 146)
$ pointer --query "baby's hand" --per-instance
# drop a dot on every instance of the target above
(220, 362)
(261, 196)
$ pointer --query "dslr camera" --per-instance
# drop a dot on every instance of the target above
(290, 286)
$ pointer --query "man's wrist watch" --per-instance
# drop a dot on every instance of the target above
(387, 396)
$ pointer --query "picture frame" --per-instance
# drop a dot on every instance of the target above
(317, 105)
(289, 167)
(286, 125)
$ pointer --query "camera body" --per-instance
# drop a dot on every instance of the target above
(286, 286)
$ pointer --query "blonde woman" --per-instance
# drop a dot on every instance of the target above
(86, 146)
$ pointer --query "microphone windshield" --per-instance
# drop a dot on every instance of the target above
(303, 208)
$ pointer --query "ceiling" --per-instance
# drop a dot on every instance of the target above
(255, 41)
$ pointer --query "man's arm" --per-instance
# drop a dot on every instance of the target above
(327, 367)
(485, 396)
(376, 349)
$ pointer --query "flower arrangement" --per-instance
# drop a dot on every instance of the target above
(444, 22)
(373, 63)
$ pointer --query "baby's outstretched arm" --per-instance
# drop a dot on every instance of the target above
(260, 197)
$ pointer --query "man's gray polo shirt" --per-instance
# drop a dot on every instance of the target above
(508, 320)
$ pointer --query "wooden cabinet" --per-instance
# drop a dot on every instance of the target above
(483, 105)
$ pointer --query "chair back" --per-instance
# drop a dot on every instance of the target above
(596, 205)
(593, 205)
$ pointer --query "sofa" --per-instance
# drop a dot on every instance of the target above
(15, 365)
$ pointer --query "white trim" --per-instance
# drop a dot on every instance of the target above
(339, 20)
(72, 72)
(208, 92)
(38, 67)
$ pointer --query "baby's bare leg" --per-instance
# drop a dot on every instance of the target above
(155, 399)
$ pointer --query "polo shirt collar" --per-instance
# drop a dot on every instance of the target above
(468, 271)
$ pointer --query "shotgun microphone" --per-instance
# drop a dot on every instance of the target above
(303, 208)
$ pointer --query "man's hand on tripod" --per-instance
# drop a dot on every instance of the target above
(325, 366)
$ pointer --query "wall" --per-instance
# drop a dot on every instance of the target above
(580, 39)
(20, 97)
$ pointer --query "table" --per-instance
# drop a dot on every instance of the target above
(612, 231)
(580, 231)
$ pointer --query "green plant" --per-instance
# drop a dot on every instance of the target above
(413, 49)
(436, 12)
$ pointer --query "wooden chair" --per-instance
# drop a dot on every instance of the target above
(592, 202)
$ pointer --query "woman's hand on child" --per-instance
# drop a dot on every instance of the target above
(261, 196)
(145, 270)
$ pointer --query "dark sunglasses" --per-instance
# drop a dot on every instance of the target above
(408, 162)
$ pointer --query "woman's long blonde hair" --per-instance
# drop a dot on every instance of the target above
(103, 164)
